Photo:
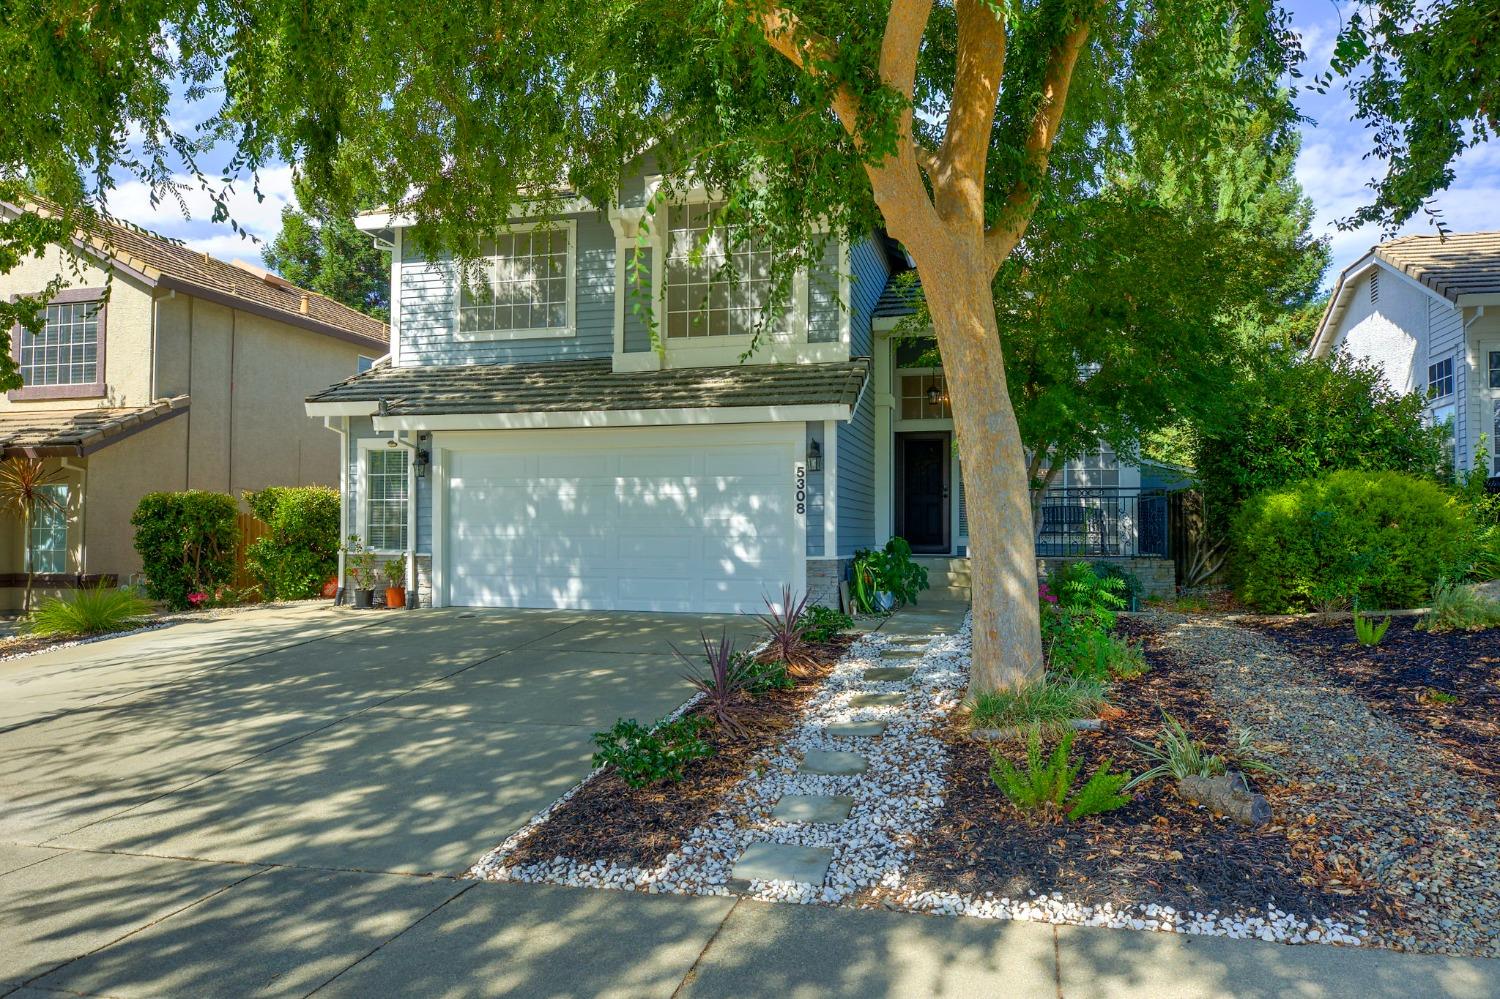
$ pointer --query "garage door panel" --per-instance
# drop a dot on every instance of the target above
(706, 528)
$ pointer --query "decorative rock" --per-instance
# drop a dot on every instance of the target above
(877, 700)
(887, 673)
(858, 730)
(813, 807)
(833, 763)
(806, 865)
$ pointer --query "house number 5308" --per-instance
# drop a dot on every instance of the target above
(801, 476)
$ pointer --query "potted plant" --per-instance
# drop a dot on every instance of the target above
(395, 578)
(360, 567)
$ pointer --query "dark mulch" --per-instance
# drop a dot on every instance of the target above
(611, 821)
(1158, 848)
(1401, 674)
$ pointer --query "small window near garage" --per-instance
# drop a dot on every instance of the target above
(521, 285)
(1440, 379)
(385, 499)
(924, 397)
(1495, 369)
(47, 545)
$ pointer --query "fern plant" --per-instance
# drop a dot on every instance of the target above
(1048, 785)
(1367, 632)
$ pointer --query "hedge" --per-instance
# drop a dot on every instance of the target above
(1378, 539)
(186, 543)
(302, 549)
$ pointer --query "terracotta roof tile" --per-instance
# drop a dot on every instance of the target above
(78, 431)
(1465, 263)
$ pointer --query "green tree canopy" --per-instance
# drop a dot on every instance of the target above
(329, 255)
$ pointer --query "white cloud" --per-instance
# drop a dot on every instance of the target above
(260, 217)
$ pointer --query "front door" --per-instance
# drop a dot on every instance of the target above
(926, 461)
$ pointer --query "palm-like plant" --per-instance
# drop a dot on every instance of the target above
(787, 629)
(24, 494)
(724, 679)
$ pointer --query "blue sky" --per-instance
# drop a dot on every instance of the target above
(1330, 168)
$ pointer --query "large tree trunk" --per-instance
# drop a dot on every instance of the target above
(1002, 546)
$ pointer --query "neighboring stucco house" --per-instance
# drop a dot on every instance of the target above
(190, 374)
(525, 444)
(1427, 310)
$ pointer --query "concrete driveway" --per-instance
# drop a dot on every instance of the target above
(279, 804)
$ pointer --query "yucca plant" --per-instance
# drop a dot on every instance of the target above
(92, 611)
(1177, 754)
(724, 679)
(1367, 632)
(23, 495)
(787, 630)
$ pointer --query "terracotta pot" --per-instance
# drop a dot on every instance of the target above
(395, 596)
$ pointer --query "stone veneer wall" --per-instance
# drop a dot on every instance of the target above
(1157, 575)
(823, 578)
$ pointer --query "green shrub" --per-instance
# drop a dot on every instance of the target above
(1295, 418)
(1377, 539)
(765, 677)
(886, 570)
(1081, 588)
(1048, 785)
(301, 551)
(1456, 607)
(92, 611)
(1052, 701)
(824, 623)
(186, 543)
(646, 756)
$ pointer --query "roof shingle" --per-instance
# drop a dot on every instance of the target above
(1463, 263)
(593, 385)
(40, 432)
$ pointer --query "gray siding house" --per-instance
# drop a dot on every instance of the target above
(525, 444)
(1427, 310)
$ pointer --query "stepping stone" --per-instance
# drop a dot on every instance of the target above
(833, 763)
(864, 729)
(877, 700)
(806, 865)
(902, 654)
(885, 673)
(813, 807)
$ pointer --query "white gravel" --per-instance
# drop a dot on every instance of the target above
(896, 800)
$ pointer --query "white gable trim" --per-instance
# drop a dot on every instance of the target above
(1343, 295)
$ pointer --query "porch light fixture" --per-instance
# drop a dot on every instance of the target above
(934, 396)
(814, 456)
(420, 460)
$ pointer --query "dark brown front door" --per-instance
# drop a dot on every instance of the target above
(925, 465)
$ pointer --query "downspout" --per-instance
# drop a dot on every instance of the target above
(343, 431)
(83, 515)
(410, 447)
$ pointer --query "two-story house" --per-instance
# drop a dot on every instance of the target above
(161, 368)
(1427, 310)
(528, 443)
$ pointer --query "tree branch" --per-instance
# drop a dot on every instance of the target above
(928, 160)
(808, 50)
(976, 88)
(1003, 236)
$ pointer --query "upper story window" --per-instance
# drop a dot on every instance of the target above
(363, 363)
(718, 281)
(65, 358)
(385, 496)
(521, 285)
(1440, 378)
(1495, 369)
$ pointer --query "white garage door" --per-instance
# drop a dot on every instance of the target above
(620, 520)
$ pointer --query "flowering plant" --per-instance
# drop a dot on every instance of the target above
(1046, 594)
(197, 598)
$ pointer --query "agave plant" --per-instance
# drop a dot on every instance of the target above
(787, 629)
(724, 679)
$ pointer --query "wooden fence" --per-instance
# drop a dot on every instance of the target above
(251, 529)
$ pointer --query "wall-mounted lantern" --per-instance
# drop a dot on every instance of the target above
(814, 456)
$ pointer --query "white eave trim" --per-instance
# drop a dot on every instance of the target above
(615, 418)
(382, 219)
(342, 408)
(1467, 301)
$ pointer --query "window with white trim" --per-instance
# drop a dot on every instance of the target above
(47, 544)
(924, 396)
(1495, 369)
(1440, 379)
(385, 498)
(66, 350)
(521, 285)
(718, 279)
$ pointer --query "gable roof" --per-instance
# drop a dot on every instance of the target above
(589, 386)
(163, 263)
(1461, 269)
